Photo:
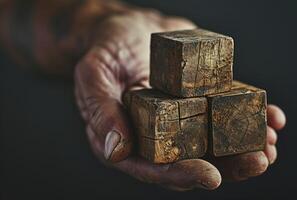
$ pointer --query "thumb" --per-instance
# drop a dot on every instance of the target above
(103, 113)
(110, 123)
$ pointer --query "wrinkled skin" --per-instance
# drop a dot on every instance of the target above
(118, 61)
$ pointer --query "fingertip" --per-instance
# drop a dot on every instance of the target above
(271, 153)
(271, 136)
(198, 173)
(112, 127)
(276, 117)
(252, 164)
(116, 148)
(214, 182)
(121, 152)
(213, 178)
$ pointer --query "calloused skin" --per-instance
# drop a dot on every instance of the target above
(118, 62)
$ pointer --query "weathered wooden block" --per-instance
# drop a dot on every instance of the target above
(168, 129)
(191, 63)
(237, 120)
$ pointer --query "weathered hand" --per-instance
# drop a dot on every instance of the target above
(119, 61)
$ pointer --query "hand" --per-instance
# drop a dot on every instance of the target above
(119, 61)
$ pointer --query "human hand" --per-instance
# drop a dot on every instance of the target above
(118, 61)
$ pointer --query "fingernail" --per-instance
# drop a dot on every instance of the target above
(111, 142)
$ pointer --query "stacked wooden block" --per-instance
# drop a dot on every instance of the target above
(195, 107)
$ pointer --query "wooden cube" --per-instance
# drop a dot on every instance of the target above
(237, 120)
(168, 129)
(191, 63)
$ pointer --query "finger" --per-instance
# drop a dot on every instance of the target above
(271, 153)
(241, 167)
(96, 146)
(275, 117)
(182, 175)
(109, 122)
(271, 136)
(81, 105)
(106, 116)
(177, 23)
(109, 149)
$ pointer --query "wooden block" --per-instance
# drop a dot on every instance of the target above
(237, 120)
(168, 129)
(191, 63)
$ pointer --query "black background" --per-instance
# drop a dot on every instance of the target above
(44, 151)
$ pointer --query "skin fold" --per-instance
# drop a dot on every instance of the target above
(104, 45)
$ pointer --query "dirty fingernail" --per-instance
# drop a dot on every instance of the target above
(111, 142)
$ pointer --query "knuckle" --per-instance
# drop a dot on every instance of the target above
(178, 23)
(98, 117)
(89, 63)
(145, 13)
(138, 12)
(97, 66)
(151, 13)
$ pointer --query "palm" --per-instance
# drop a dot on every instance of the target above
(119, 62)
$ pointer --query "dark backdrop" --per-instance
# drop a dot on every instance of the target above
(44, 151)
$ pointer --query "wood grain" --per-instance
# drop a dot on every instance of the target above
(191, 63)
(237, 120)
(168, 129)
